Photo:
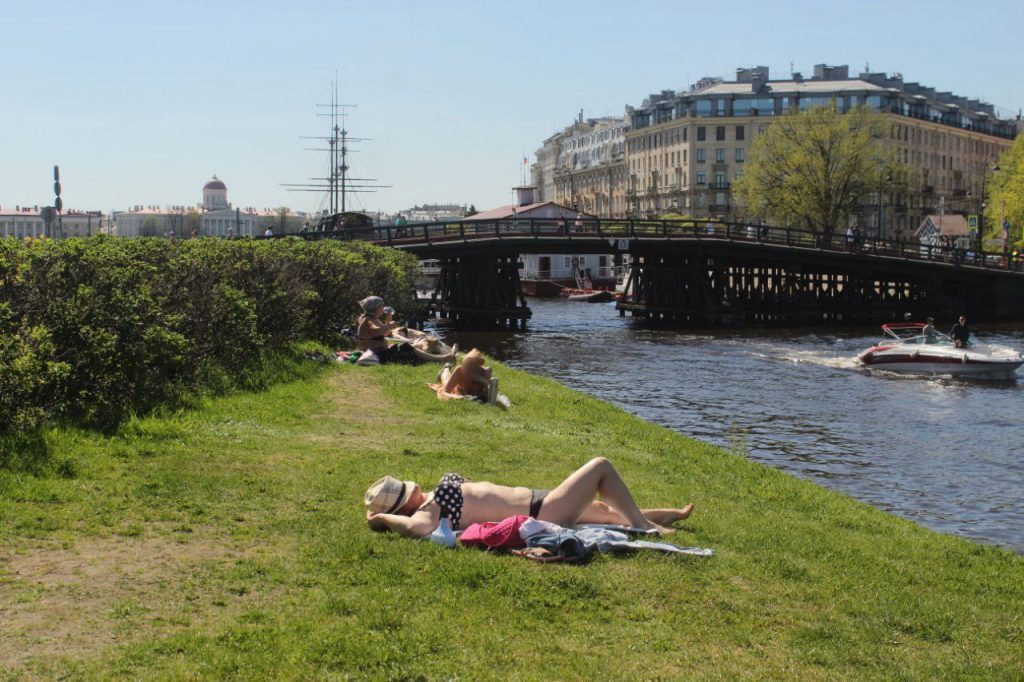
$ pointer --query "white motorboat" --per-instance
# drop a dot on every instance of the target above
(906, 348)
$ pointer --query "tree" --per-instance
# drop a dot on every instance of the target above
(471, 211)
(815, 168)
(1005, 189)
(151, 227)
(282, 218)
(193, 222)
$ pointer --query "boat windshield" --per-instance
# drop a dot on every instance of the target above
(913, 332)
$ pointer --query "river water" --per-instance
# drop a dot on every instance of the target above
(946, 453)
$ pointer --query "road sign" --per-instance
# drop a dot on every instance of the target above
(972, 221)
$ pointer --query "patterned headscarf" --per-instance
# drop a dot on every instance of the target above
(371, 303)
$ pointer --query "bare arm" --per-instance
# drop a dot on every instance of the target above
(421, 524)
(375, 328)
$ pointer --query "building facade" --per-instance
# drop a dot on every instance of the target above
(27, 221)
(583, 166)
(214, 217)
(683, 150)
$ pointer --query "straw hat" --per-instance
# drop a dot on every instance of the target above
(387, 495)
(473, 367)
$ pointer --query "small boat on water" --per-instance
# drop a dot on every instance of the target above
(426, 347)
(589, 295)
(906, 348)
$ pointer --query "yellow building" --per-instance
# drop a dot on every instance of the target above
(683, 150)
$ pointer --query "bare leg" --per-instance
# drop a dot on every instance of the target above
(599, 512)
(567, 503)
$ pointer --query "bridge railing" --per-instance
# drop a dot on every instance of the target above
(622, 228)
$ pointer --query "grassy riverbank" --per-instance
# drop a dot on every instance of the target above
(229, 541)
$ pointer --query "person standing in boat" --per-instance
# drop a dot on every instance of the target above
(961, 333)
(928, 330)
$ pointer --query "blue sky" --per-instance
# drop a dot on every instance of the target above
(142, 104)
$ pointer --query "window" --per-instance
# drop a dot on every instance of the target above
(720, 133)
(719, 155)
(741, 155)
(701, 155)
(741, 132)
(701, 179)
(703, 107)
(720, 107)
(720, 179)
(763, 106)
(702, 133)
(809, 102)
(741, 107)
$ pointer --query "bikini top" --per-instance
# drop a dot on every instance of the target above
(448, 495)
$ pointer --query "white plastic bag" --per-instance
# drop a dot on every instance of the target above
(368, 358)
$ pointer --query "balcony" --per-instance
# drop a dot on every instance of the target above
(719, 185)
(927, 189)
(718, 208)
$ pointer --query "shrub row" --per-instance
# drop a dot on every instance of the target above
(92, 330)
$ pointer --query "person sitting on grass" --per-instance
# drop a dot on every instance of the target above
(374, 326)
(471, 379)
(403, 507)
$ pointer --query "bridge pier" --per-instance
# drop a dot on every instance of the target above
(480, 292)
(703, 287)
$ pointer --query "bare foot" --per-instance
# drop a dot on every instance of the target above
(662, 530)
(685, 512)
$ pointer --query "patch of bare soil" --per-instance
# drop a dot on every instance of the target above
(76, 601)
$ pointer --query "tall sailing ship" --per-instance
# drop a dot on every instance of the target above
(337, 186)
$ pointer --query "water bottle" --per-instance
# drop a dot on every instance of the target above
(443, 534)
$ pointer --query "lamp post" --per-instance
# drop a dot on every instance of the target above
(981, 213)
(884, 177)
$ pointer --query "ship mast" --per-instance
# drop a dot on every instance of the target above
(337, 184)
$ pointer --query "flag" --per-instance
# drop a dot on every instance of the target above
(525, 161)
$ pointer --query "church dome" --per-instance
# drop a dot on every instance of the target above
(215, 183)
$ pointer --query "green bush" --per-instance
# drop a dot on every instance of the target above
(93, 330)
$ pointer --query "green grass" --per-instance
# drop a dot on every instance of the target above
(228, 541)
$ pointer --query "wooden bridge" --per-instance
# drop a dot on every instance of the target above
(707, 274)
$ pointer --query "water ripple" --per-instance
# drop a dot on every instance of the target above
(947, 453)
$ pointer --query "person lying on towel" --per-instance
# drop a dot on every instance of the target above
(403, 507)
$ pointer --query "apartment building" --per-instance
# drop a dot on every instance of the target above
(583, 166)
(683, 150)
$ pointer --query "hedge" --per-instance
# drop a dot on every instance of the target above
(93, 330)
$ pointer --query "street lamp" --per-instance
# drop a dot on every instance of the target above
(882, 178)
(984, 199)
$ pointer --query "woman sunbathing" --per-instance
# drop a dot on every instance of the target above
(471, 379)
(404, 508)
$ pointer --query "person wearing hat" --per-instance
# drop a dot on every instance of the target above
(471, 379)
(373, 327)
(928, 330)
(403, 507)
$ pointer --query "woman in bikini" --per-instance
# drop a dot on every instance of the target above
(404, 508)
(373, 327)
